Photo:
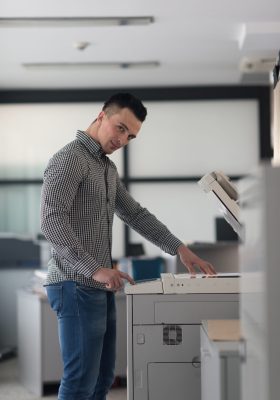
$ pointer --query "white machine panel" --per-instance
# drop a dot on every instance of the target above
(164, 341)
(260, 298)
(187, 283)
(152, 286)
(226, 193)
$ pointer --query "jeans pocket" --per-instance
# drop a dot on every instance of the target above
(91, 297)
(54, 293)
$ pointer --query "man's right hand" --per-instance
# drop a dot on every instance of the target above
(112, 278)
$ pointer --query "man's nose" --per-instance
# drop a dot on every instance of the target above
(122, 140)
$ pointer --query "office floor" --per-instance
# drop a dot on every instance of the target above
(11, 389)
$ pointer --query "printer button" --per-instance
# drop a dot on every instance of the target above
(140, 338)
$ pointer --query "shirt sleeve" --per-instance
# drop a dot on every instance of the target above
(143, 222)
(62, 178)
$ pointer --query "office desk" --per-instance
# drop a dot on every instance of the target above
(220, 365)
(38, 348)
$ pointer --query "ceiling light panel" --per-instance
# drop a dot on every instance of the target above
(74, 21)
(89, 65)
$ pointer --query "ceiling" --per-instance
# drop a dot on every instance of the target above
(192, 42)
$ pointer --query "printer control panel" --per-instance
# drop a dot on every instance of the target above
(186, 283)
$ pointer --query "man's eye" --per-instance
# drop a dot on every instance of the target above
(120, 128)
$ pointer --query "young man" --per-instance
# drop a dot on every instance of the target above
(81, 193)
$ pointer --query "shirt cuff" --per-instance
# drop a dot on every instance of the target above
(87, 266)
(171, 244)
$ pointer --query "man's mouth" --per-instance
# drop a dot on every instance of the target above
(115, 145)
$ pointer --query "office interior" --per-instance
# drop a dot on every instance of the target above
(209, 83)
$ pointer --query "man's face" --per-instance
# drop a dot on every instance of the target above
(116, 130)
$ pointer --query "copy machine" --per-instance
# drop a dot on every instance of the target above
(164, 317)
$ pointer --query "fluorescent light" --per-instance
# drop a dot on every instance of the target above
(100, 65)
(27, 22)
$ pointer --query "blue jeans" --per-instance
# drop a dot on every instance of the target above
(87, 337)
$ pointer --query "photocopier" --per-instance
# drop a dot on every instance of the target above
(164, 317)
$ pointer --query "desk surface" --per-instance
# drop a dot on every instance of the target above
(222, 329)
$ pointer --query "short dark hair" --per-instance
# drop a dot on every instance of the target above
(127, 100)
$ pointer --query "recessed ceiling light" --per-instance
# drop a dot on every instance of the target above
(74, 21)
(81, 45)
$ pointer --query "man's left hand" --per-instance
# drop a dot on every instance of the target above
(191, 260)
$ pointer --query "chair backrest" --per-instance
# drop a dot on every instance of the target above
(147, 268)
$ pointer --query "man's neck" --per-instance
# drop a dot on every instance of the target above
(92, 130)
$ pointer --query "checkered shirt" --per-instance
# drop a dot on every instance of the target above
(81, 193)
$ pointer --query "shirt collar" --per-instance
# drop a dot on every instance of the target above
(92, 146)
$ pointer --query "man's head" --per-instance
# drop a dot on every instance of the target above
(125, 100)
(119, 122)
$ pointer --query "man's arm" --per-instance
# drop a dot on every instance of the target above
(145, 223)
(61, 181)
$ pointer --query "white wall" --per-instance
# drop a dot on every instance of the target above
(276, 124)
(182, 138)
(31, 133)
(191, 138)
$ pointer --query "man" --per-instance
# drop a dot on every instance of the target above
(81, 193)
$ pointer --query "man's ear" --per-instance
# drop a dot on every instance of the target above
(100, 116)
